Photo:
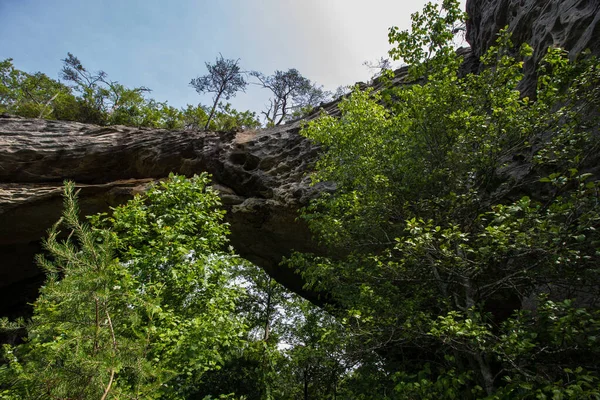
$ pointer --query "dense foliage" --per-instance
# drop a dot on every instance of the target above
(464, 238)
(34, 95)
(224, 79)
(293, 95)
(469, 222)
(136, 305)
(149, 303)
(94, 98)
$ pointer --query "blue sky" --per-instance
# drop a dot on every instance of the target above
(163, 44)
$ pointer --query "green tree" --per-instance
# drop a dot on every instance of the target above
(194, 118)
(293, 95)
(228, 118)
(293, 349)
(102, 101)
(317, 353)
(34, 95)
(225, 118)
(137, 305)
(171, 117)
(442, 248)
(224, 79)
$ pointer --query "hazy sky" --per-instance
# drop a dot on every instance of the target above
(162, 44)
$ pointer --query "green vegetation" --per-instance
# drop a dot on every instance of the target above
(34, 95)
(293, 95)
(136, 305)
(464, 238)
(446, 243)
(148, 303)
(94, 98)
(224, 79)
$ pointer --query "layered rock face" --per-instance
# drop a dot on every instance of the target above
(260, 174)
(261, 177)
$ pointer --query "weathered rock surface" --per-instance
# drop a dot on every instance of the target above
(570, 24)
(261, 174)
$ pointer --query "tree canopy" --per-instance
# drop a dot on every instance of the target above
(34, 95)
(462, 278)
(94, 98)
(462, 246)
(224, 79)
(293, 95)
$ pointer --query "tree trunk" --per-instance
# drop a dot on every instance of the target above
(306, 378)
(212, 111)
(268, 311)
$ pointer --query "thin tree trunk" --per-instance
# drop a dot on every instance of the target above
(212, 111)
(283, 112)
(114, 343)
(486, 374)
(47, 104)
(306, 384)
(268, 312)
